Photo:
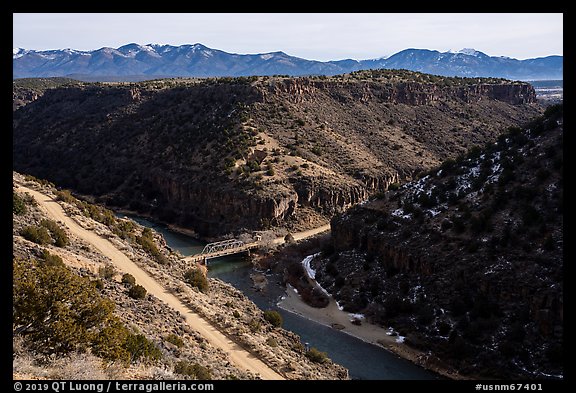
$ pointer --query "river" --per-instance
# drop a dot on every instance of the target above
(363, 360)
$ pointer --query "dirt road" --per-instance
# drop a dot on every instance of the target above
(237, 355)
(304, 234)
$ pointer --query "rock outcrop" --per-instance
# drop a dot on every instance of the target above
(409, 93)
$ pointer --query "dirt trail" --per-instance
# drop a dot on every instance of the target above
(237, 355)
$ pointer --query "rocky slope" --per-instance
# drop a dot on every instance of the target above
(227, 308)
(218, 155)
(467, 261)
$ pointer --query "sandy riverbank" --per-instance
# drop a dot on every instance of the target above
(334, 317)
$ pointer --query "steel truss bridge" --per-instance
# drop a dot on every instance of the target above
(220, 249)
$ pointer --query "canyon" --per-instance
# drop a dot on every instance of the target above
(227, 155)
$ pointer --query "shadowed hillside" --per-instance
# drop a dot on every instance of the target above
(466, 261)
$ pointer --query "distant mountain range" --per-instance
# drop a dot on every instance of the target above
(140, 62)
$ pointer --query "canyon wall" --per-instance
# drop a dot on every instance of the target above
(179, 149)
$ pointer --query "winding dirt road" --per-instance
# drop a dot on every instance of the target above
(240, 357)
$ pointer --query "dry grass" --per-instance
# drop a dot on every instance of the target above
(76, 366)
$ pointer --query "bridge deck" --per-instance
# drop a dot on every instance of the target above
(205, 256)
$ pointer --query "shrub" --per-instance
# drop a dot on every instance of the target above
(58, 234)
(427, 201)
(146, 240)
(196, 278)
(174, 339)
(447, 166)
(458, 224)
(445, 225)
(554, 110)
(137, 292)
(480, 223)
(554, 353)
(42, 182)
(458, 347)
(66, 196)
(18, 204)
(124, 229)
(51, 259)
(139, 347)
(44, 289)
(474, 152)
(316, 356)
(443, 328)
(530, 215)
(36, 234)
(271, 341)
(129, 279)
(328, 249)
(98, 284)
(425, 315)
(542, 174)
(472, 246)
(548, 243)
(107, 272)
(254, 325)
(273, 317)
(195, 370)
(253, 166)
(86, 320)
(97, 213)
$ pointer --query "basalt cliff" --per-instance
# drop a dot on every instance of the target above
(221, 155)
(467, 261)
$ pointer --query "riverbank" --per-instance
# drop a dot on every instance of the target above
(174, 228)
(336, 318)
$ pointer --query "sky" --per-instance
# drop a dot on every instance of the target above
(313, 36)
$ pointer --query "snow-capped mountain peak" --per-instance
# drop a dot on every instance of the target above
(197, 60)
(468, 51)
(18, 52)
(380, 58)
